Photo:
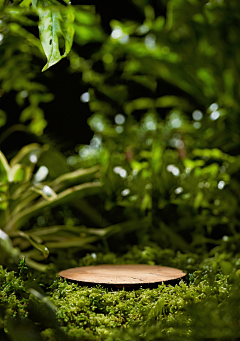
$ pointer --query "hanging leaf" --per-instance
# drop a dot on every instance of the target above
(38, 246)
(55, 23)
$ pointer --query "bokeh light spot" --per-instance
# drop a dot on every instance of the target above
(85, 97)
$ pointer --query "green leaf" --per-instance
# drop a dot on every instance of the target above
(19, 173)
(198, 200)
(80, 175)
(34, 243)
(73, 242)
(45, 191)
(4, 169)
(25, 154)
(69, 194)
(7, 247)
(172, 101)
(54, 24)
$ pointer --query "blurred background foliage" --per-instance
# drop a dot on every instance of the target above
(157, 83)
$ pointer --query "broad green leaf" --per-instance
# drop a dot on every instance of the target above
(53, 24)
(4, 169)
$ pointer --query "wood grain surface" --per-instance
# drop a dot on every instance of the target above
(120, 275)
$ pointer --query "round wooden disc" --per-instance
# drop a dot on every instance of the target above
(122, 275)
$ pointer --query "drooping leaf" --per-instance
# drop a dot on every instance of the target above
(69, 194)
(42, 248)
(31, 152)
(53, 24)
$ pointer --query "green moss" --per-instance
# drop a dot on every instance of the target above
(205, 305)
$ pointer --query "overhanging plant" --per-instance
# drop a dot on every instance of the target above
(24, 192)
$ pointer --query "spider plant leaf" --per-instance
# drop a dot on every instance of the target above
(44, 232)
(18, 173)
(79, 175)
(20, 190)
(35, 265)
(46, 192)
(73, 242)
(127, 226)
(7, 248)
(67, 195)
(4, 169)
(29, 153)
(44, 250)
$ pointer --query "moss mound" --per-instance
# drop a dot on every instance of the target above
(205, 305)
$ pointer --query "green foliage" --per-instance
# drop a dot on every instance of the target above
(170, 157)
(164, 95)
(25, 193)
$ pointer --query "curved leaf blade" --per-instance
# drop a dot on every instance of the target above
(54, 24)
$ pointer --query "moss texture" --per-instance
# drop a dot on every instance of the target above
(205, 305)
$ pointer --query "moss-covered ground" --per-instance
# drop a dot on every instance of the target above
(205, 305)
